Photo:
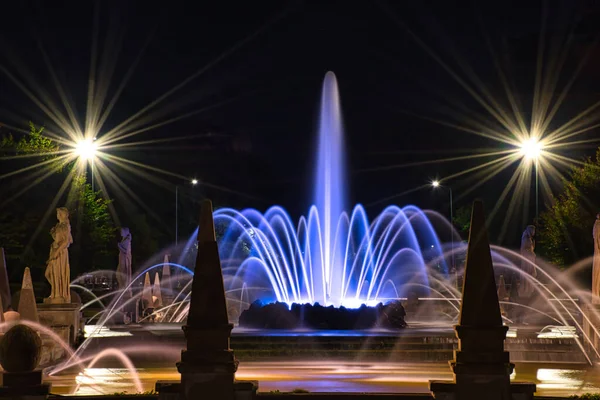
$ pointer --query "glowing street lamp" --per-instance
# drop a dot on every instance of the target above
(86, 150)
(194, 181)
(436, 184)
(532, 149)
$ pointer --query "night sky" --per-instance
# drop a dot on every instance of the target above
(259, 66)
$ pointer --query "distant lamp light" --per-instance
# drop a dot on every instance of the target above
(86, 149)
(194, 181)
(435, 184)
(531, 149)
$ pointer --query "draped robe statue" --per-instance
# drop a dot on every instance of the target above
(527, 288)
(596, 265)
(58, 271)
(124, 268)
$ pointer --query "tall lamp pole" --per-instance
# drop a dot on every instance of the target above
(436, 184)
(193, 182)
(537, 189)
(532, 149)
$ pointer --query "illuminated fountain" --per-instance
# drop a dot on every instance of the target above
(330, 257)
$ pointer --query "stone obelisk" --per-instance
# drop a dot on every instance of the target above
(156, 293)
(166, 284)
(481, 366)
(147, 293)
(27, 305)
(208, 365)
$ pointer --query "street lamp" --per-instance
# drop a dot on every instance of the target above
(436, 184)
(86, 150)
(532, 149)
(194, 182)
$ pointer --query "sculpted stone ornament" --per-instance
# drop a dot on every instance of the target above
(526, 288)
(596, 266)
(124, 268)
(58, 271)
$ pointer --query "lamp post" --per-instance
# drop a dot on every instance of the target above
(86, 151)
(531, 149)
(194, 182)
(436, 184)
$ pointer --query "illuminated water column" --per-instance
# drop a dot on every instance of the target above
(330, 196)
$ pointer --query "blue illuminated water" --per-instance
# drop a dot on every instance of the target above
(331, 256)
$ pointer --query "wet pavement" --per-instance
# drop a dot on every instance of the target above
(551, 380)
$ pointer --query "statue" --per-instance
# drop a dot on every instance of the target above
(58, 272)
(526, 288)
(124, 268)
(596, 265)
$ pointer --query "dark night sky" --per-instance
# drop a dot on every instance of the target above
(273, 80)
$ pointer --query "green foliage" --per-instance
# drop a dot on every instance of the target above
(93, 230)
(462, 220)
(566, 227)
(36, 143)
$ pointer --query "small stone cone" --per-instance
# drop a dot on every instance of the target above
(147, 292)
(167, 285)
(27, 305)
(4, 284)
(156, 292)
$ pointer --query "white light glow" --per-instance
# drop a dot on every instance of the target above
(86, 149)
(531, 149)
(194, 181)
(102, 331)
(435, 183)
(558, 332)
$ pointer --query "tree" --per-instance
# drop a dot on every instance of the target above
(93, 230)
(462, 220)
(565, 233)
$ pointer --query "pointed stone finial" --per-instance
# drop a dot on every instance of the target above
(156, 292)
(207, 305)
(481, 366)
(27, 304)
(206, 226)
(166, 284)
(480, 307)
(208, 365)
(147, 291)
(4, 284)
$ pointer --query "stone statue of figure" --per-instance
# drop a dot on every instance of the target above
(124, 268)
(526, 288)
(58, 271)
(596, 265)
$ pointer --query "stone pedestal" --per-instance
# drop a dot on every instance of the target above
(444, 390)
(171, 390)
(64, 319)
(23, 386)
(590, 311)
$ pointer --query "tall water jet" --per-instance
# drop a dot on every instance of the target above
(330, 195)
